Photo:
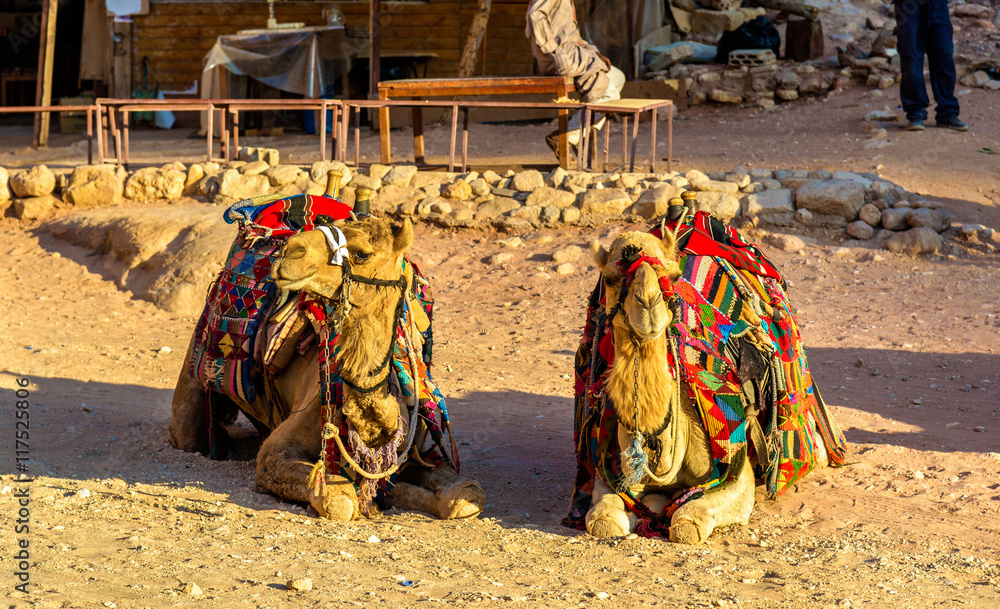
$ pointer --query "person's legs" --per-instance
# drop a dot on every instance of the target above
(941, 60)
(612, 93)
(910, 44)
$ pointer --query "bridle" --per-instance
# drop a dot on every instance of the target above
(338, 243)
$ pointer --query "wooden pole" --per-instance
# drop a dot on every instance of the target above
(374, 60)
(46, 53)
(630, 38)
(477, 30)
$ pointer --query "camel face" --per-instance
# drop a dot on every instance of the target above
(305, 265)
(374, 250)
(644, 312)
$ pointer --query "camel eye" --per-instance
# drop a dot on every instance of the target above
(612, 281)
(361, 257)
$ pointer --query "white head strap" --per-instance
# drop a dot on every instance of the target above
(338, 243)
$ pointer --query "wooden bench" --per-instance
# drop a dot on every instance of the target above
(557, 86)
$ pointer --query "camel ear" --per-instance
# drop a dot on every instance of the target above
(402, 237)
(600, 254)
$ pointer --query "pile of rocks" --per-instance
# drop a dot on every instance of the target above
(866, 206)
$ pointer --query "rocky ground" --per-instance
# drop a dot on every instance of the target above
(903, 347)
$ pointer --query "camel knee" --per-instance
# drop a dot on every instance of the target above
(461, 499)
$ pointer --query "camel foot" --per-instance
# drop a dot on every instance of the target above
(461, 499)
(687, 532)
(603, 528)
(335, 503)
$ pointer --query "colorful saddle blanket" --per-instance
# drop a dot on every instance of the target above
(721, 356)
(223, 355)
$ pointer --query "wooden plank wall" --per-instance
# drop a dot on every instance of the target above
(176, 36)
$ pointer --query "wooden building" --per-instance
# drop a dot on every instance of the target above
(175, 35)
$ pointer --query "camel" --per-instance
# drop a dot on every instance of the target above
(651, 422)
(293, 420)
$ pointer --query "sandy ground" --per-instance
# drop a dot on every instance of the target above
(904, 349)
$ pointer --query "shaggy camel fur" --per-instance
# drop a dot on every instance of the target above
(641, 349)
(286, 457)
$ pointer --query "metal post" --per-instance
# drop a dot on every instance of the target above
(635, 140)
(652, 142)
(454, 131)
(125, 137)
(465, 139)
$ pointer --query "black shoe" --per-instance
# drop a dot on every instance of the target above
(552, 140)
(952, 123)
(915, 125)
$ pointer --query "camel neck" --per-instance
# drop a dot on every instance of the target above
(641, 384)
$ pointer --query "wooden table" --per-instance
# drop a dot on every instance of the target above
(633, 108)
(557, 86)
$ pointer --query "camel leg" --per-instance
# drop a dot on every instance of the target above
(286, 459)
(694, 521)
(439, 491)
(187, 430)
(608, 516)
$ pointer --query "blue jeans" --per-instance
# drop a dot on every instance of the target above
(923, 26)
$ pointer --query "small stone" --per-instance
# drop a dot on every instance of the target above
(191, 588)
(501, 258)
(915, 241)
(300, 585)
(570, 215)
(722, 96)
(860, 230)
(787, 243)
(83, 493)
(35, 208)
(602, 596)
(511, 242)
(373, 539)
(715, 186)
(723, 206)
(480, 187)
(870, 214)
(564, 269)
(496, 207)
(459, 190)
(895, 219)
(164, 350)
(803, 216)
(770, 202)
(567, 254)
(556, 178)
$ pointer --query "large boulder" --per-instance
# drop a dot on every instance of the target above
(721, 205)
(35, 182)
(654, 202)
(400, 176)
(152, 183)
(894, 218)
(604, 201)
(770, 202)
(35, 208)
(319, 169)
(915, 241)
(4, 189)
(938, 220)
(279, 175)
(546, 196)
(496, 207)
(231, 186)
(527, 181)
(839, 197)
(93, 186)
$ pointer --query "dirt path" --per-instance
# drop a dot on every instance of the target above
(904, 350)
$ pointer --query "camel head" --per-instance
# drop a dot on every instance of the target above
(637, 270)
(316, 261)
(374, 249)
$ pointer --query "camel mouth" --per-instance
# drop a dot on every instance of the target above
(288, 283)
